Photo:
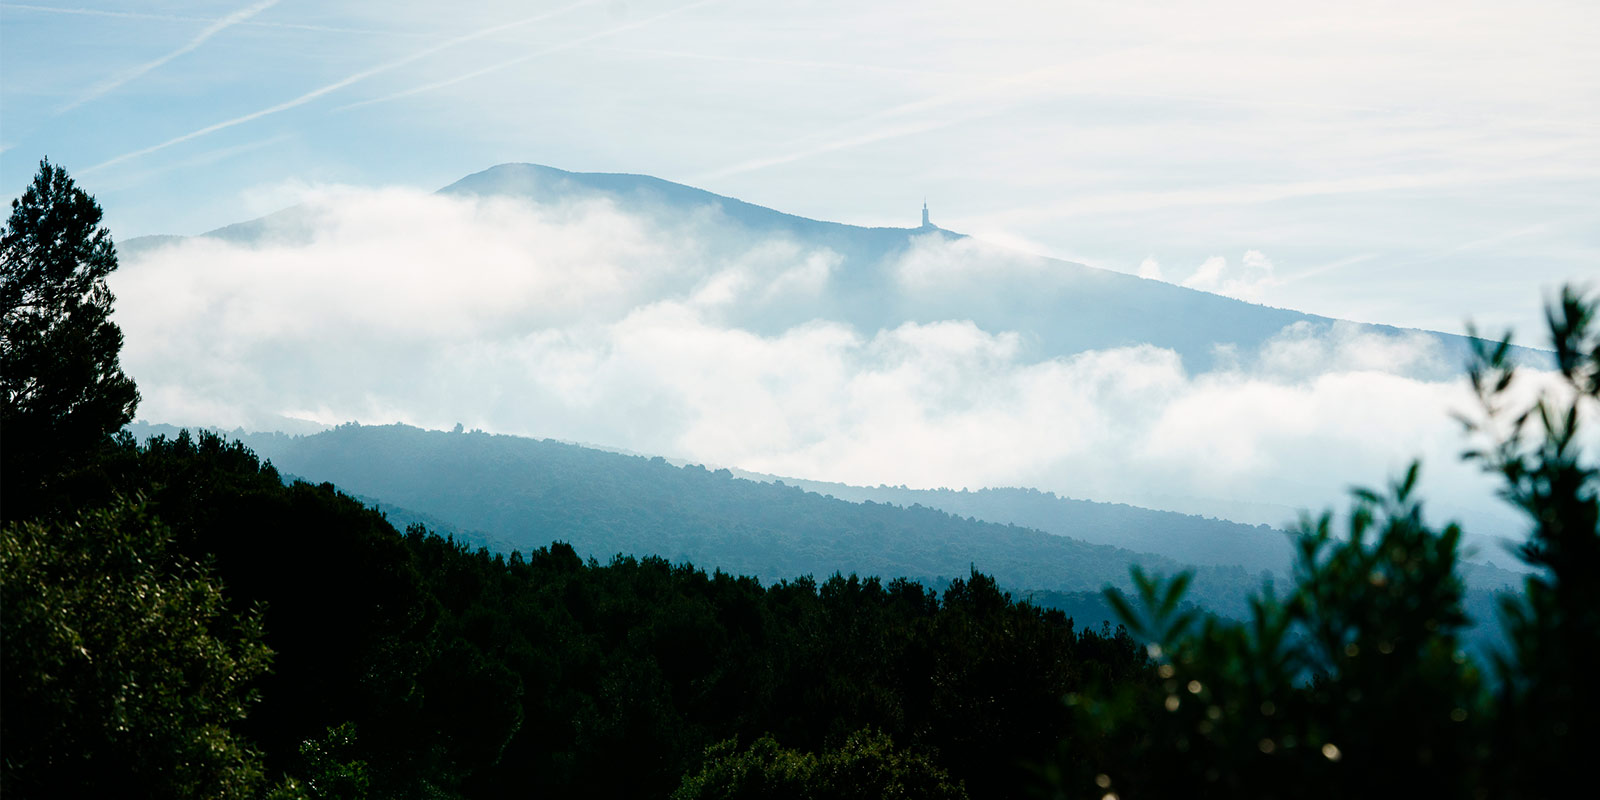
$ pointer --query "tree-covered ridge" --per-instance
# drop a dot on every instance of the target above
(1185, 538)
(519, 493)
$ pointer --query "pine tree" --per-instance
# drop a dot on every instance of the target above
(64, 389)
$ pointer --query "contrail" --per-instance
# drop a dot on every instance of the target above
(1321, 269)
(780, 62)
(879, 135)
(99, 12)
(211, 30)
(337, 85)
(837, 140)
(582, 40)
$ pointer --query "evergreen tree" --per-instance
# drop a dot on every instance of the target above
(64, 390)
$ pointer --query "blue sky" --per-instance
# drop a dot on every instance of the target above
(1407, 165)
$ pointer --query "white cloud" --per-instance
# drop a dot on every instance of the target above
(1301, 350)
(936, 261)
(582, 323)
(1251, 280)
(1150, 268)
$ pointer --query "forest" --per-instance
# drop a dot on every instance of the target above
(178, 620)
(510, 493)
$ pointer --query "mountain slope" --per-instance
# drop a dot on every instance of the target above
(518, 493)
(1060, 307)
(1186, 538)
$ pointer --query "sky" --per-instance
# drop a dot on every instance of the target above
(1412, 164)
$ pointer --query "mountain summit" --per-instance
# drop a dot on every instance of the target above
(878, 278)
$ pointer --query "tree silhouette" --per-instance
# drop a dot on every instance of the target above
(64, 389)
(1355, 683)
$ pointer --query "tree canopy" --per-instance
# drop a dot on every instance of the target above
(124, 670)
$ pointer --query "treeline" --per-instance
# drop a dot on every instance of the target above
(415, 666)
(512, 492)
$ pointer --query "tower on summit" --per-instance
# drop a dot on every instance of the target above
(925, 222)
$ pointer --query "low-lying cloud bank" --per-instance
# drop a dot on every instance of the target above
(582, 323)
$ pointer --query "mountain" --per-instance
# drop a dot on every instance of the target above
(1057, 307)
(1186, 538)
(514, 493)
(602, 317)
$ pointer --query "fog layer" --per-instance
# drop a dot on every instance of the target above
(582, 321)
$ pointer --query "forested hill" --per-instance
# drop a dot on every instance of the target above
(517, 493)
(1188, 538)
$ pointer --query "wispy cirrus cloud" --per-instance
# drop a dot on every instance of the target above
(110, 85)
(1270, 192)
(526, 57)
(980, 100)
(798, 63)
(254, 23)
(339, 84)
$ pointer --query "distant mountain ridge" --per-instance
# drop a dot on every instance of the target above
(1058, 307)
(516, 493)
(511, 492)
(543, 184)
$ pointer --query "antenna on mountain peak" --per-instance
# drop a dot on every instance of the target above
(925, 222)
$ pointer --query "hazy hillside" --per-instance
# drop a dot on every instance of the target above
(514, 493)
(517, 493)
(1183, 537)
(1188, 538)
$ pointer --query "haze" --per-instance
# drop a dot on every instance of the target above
(1411, 166)
(1403, 164)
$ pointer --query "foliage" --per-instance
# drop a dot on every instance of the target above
(866, 767)
(330, 773)
(1354, 684)
(342, 604)
(658, 660)
(1549, 704)
(64, 390)
(124, 671)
